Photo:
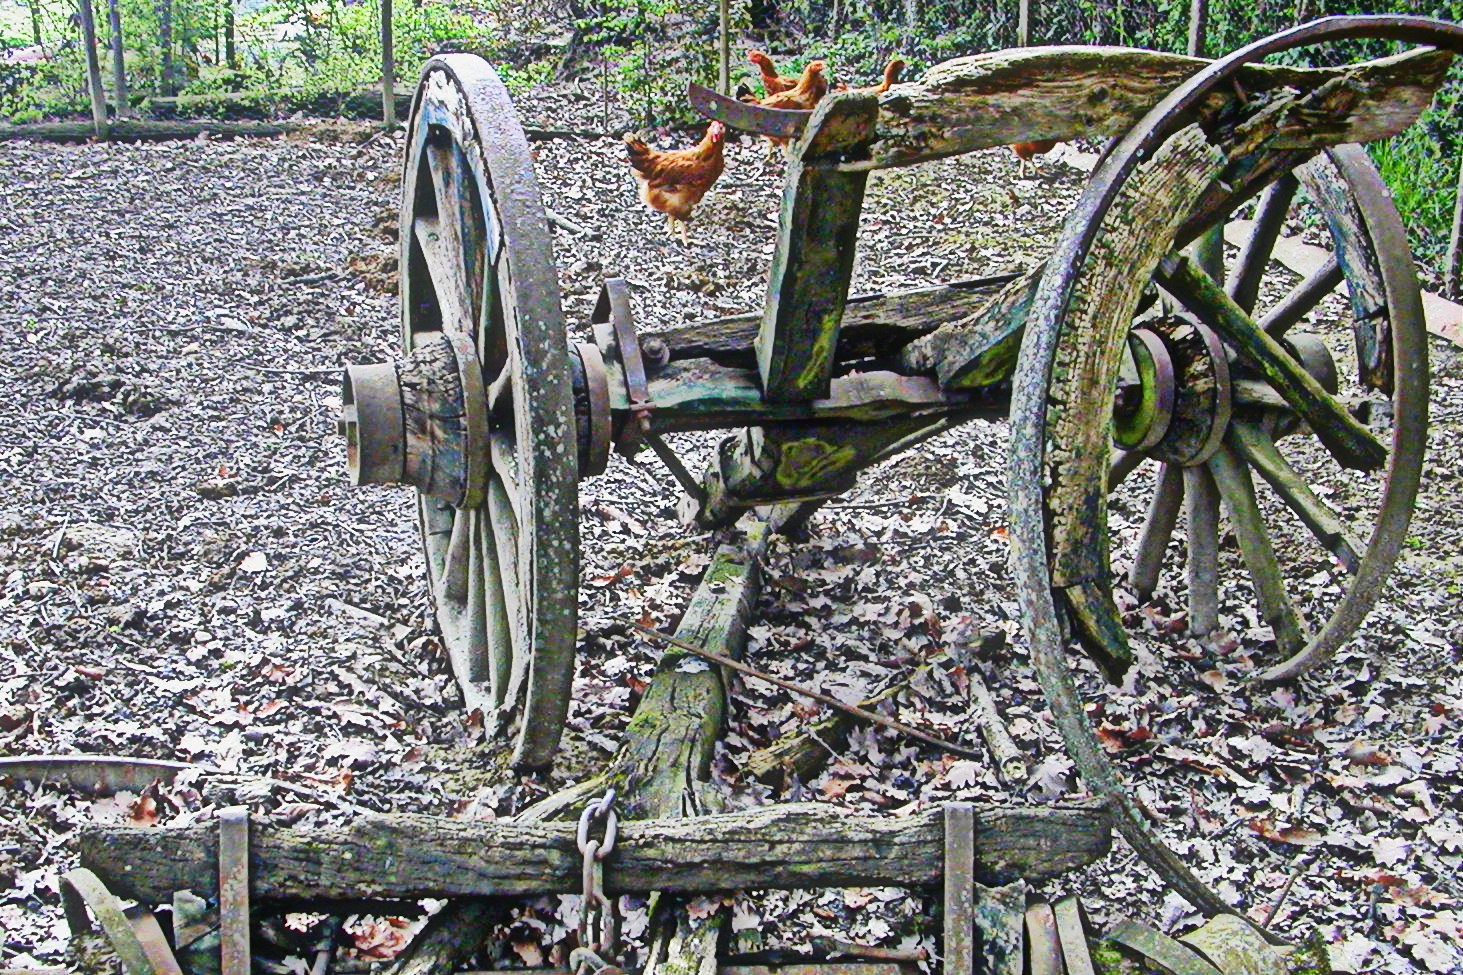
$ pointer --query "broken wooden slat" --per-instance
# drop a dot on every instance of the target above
(800, 845)
(959, 906)
(1000, 914)
(1062, 93)
(811, 268)
(666, 756)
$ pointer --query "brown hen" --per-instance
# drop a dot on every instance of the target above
(805, 95)
(772, 82)
(1027, 151)
(674, 180)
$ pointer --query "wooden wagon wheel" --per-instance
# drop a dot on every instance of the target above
(477, 265)
(1230, 431)
(1130, 217)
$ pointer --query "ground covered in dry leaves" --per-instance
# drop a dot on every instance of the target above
(188, 577)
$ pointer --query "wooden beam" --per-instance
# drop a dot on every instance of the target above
(1061, 93)
(665, 761)
(800, 845)
(666, 757)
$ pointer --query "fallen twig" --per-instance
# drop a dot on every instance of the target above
(804, 690)
(1011, 765)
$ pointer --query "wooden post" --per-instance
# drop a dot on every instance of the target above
(1450, 270)
(723, 55)
(119, 68)
(1023, 23)
(93, 68)
(817, 236)
(388, 69)
(1198, 18)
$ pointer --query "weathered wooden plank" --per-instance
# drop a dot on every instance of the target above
(1061, 93)
(980, 349)
(811, 268)
(783, 847)
(874, 326)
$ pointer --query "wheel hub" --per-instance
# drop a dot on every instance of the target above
(422, 421)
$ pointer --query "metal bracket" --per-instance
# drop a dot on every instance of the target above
(613, 307)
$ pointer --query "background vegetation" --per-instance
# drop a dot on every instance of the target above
(299, 54)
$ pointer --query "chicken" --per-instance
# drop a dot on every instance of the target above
(772, 82)
(806, 94)
(673, 181)
(1027, 151)
(892, 71)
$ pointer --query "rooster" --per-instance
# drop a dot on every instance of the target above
(1027, 151)
(805, 95)
(673, 181)
(772, 82)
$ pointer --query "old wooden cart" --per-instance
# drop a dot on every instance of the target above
(1119, 349)
(1124, 346)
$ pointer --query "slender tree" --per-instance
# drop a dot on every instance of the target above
(388, 68)
(165, 45)
(93, 67)
(119, 67)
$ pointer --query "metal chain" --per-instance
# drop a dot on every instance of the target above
(598, 923)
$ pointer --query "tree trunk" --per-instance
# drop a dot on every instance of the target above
(388, 68)
(231, 55)
(93, 67)
(35, 21)
(165, 46)
(1450, 269)
(119, 67)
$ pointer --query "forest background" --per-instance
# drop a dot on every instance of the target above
(269, 58)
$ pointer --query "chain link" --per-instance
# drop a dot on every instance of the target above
(598, 923)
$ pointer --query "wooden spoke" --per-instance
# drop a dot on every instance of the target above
(1163, 513)
(1352, 443)
(1124, 462)
(459, 210)
(1233, 481)
(1201, 514)
(448, 277)
(1249, 270)
(1258, 450)
(1303, 298)
(516, 591)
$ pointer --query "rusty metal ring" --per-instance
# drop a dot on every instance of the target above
(1146, 426)
(598, 432)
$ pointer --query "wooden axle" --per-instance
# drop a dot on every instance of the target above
(426, 420)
